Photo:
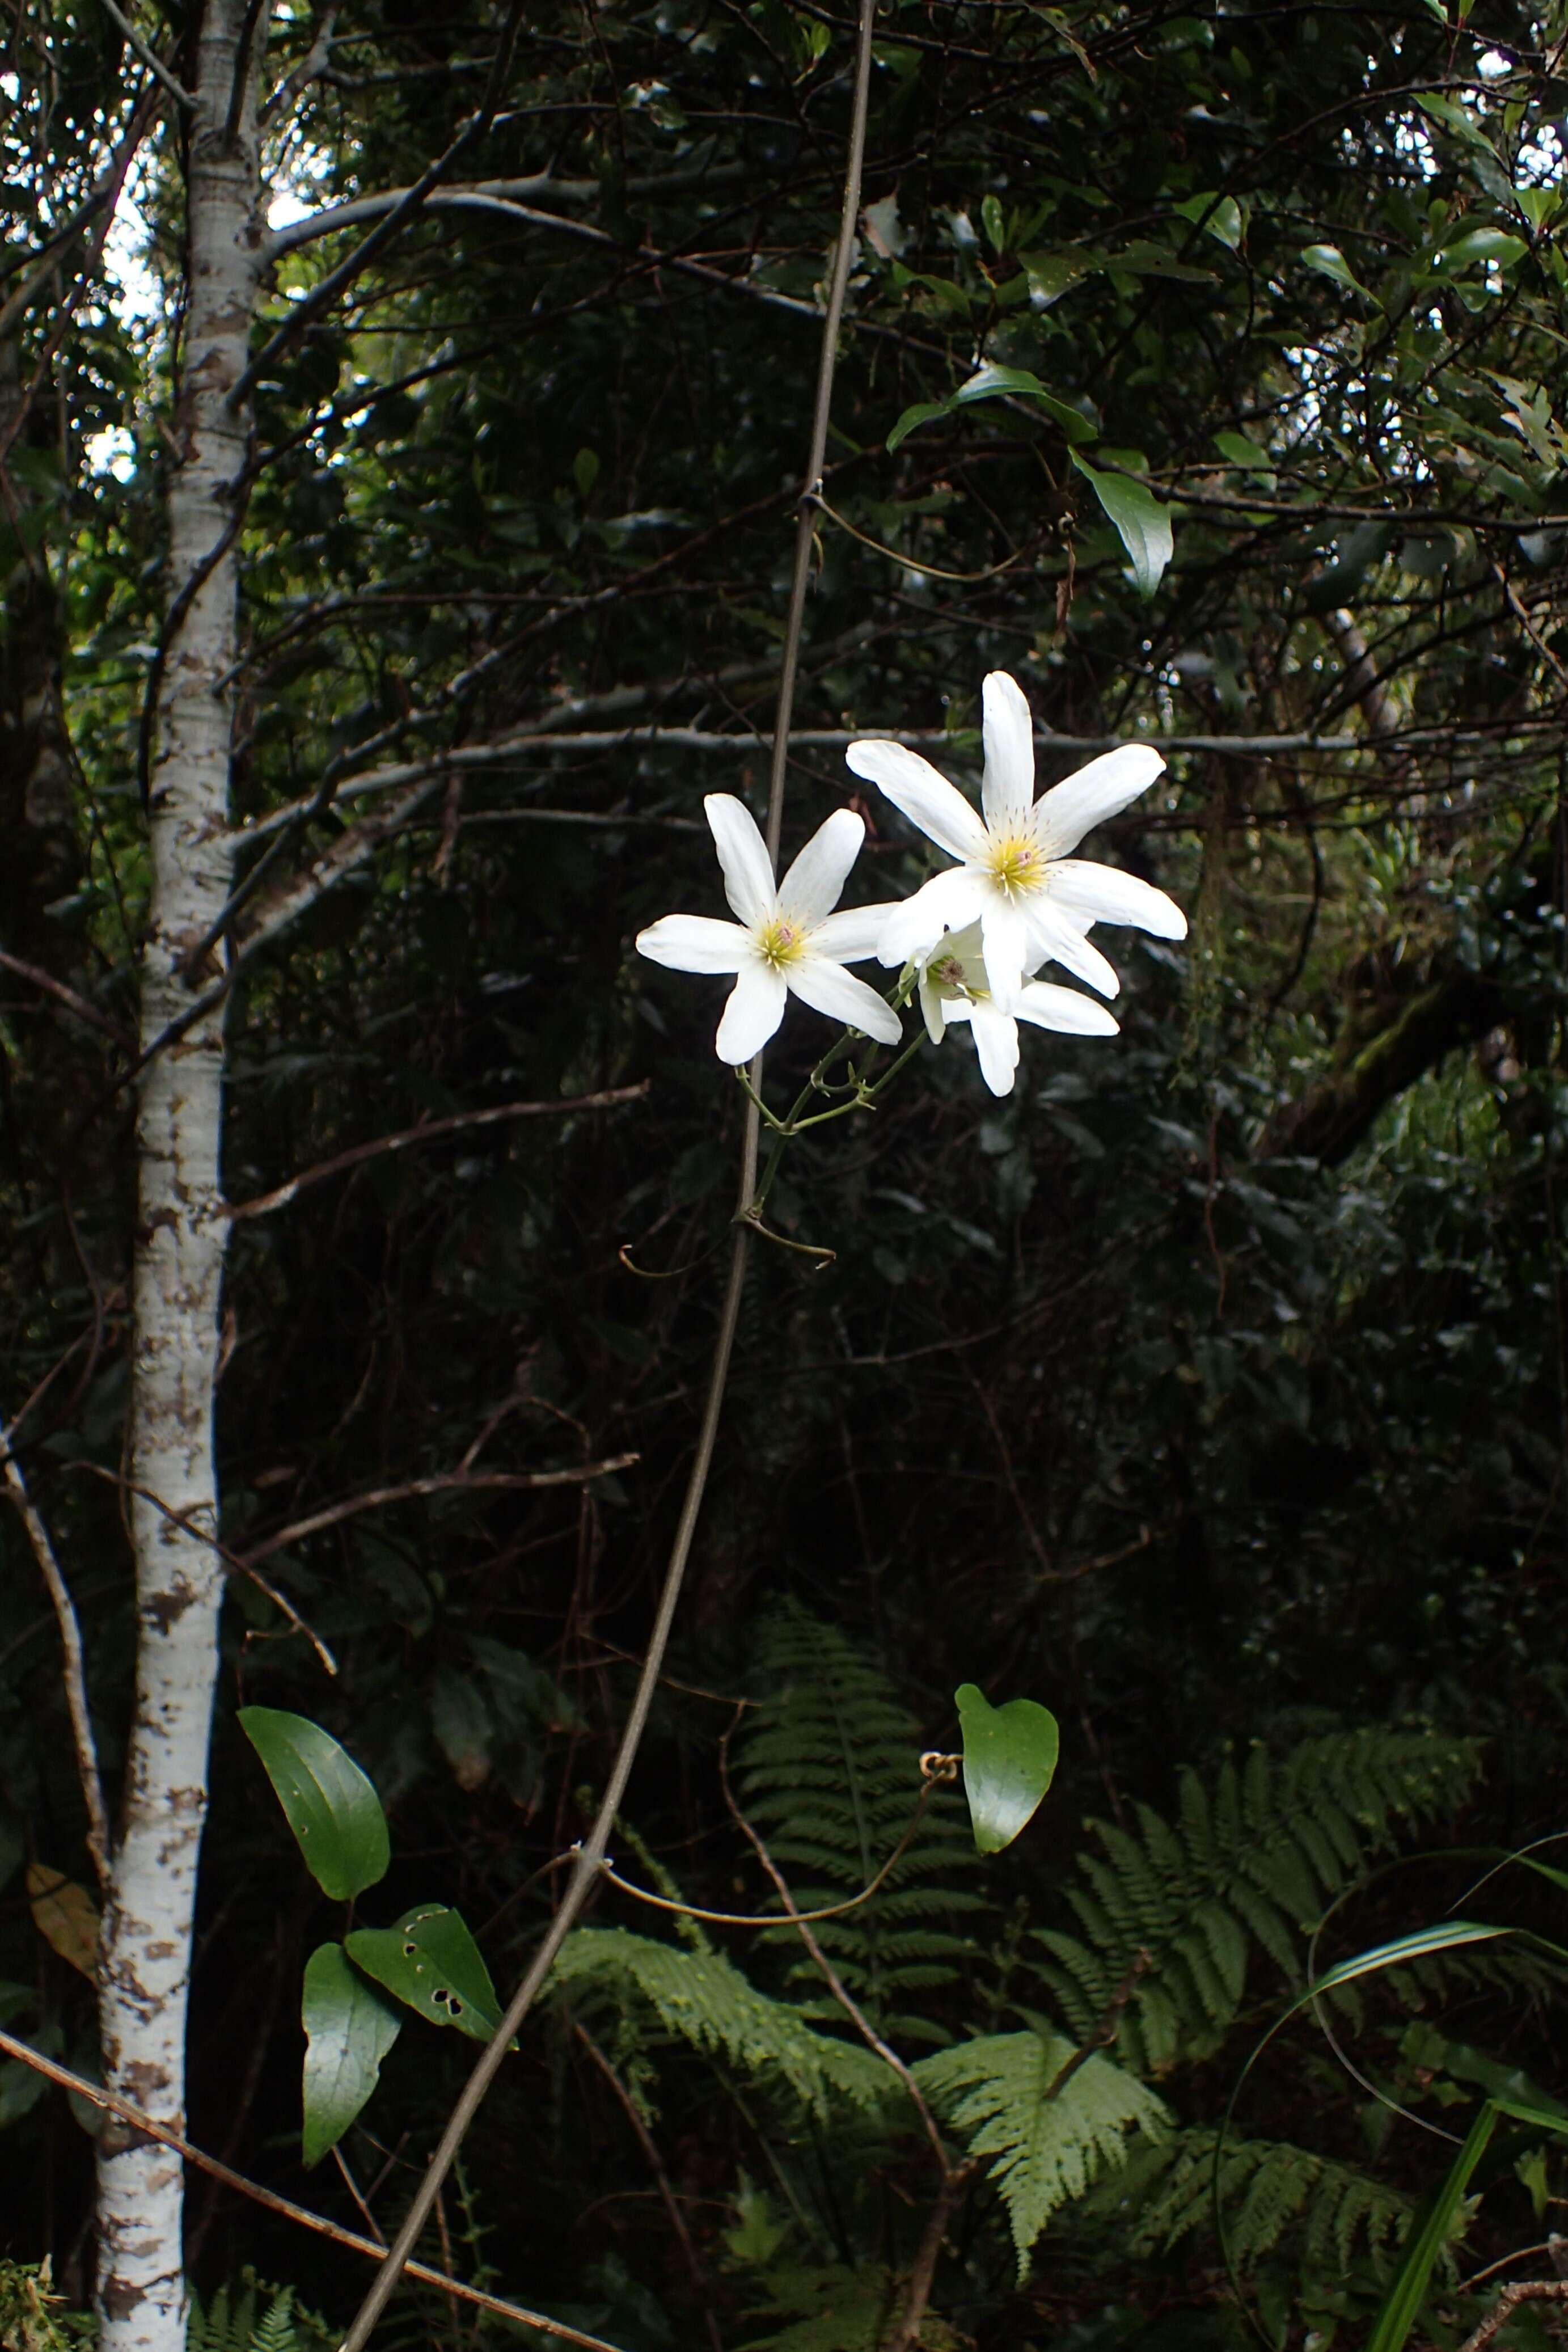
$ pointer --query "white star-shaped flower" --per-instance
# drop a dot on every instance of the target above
(954, 985)
(1034, 901)
(788, 941)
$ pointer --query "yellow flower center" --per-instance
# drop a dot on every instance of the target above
(1017, 864)
(782, 941)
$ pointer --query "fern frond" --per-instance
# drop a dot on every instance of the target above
(1252, 1863)
(829, 2307)
(828, 1771)
(702, 1998)
(1268, 2190)
(1048, 2150)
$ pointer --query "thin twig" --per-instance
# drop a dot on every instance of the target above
(649, 2147)
(773, 1918)
(69, 998)
(142, 2121)
(585, 1875)
(99, 1842)
(314, 62)
(923, 2276)
(825, 1968)
(472, 1482)
(410, 1138)
(1508, 2301)
(231, 1559)
(149, 57)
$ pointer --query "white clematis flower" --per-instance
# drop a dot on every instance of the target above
(954, 985)
(1033, 901)
(788, 939)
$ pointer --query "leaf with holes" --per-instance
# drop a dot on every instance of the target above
(1143, 525)
(64, 1914)
(349, 2029)
(1009, 1757)
(431, 1962)
(332, 1807)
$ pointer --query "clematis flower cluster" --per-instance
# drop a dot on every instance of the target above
(970, 942)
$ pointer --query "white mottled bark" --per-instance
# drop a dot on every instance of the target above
(145, 1954)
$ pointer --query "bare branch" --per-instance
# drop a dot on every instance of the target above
(143, 2123)
(1508, 2301)
(68, 997)
(456, 1482)
(311, 66)
(411, 1138)
(150, 57)
(99, 1843)
(649, 2147)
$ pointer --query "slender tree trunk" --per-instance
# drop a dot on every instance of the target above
(145, 1958)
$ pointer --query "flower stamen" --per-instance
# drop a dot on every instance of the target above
(781, 941)
(1016, 863)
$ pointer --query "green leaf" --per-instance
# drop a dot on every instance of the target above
(1330, 262)
(1409, 2290)
(921, 414)
(1482, 245)
(349, 2029)
(993, 382)
(332, 1807)
(1009, 1757)
(1144, 525)
(1221, 218)
(431, 1962)
(1051, 273)
(1244, 453)
(993, 223)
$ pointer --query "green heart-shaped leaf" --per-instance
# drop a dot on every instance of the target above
(1009, 1758)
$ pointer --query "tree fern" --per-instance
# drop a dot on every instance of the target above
(1049, 2143)
(1268, 2190)
(828, 1771)
(703, 1999)
(1176, 1908)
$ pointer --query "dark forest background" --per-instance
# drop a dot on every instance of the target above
(1212, 1389)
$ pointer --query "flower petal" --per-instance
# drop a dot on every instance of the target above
(931, 1009)
(1055, 938)
(1050, 1007)
(928, 800)
(854, 932)
(828, 988)
(810, 889)
(1102, 789)
(743, 854)
(696, 943)
(1008, 791)
(1006, 933)
(756, 1008)
(1104, 894)
(945, 903)
(997, 1042)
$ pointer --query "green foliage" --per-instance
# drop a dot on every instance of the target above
(252, 2316)
(429, 1959)
(1009, 1761)
(703, 2000)
(349, 2029)
(828, 1771)
(1269, 2191)
(1170, 1916)
(1052, 2119)
(33, 2318)
(332, 1807)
